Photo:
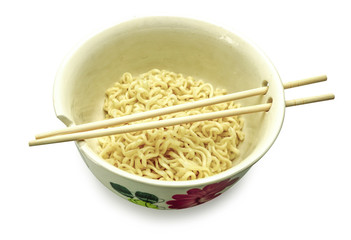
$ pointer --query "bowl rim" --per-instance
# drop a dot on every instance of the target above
(242, 166)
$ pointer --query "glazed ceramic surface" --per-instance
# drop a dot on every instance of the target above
(185, 46)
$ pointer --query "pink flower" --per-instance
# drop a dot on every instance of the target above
(197, 196)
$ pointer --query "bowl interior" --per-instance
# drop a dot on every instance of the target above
(180, 45)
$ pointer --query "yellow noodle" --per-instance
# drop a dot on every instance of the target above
(176, 153)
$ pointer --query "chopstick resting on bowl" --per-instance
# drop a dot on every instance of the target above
(176, 108)
(100, 128)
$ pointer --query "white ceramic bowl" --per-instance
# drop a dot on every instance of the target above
(185, 46)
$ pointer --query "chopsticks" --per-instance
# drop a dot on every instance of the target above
(156, 112)
(92, 130)
(176, 108)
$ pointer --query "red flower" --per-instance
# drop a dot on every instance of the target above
(197, 196)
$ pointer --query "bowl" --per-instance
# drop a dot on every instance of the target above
(193, 48)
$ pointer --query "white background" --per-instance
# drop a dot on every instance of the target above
(301, 189)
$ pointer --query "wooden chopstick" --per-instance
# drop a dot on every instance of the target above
(306, 100)
(92, 130)
(174, 121)
(155, 112)
(176, 108)
(305, 81)
(150, 125)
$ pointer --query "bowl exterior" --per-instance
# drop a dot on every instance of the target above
(156, 196)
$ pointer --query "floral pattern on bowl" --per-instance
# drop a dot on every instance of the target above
(198, 196)
(193, 197)
(141, 198)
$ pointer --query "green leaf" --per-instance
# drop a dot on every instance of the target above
(122, 190)
(142, 203)
(146, 197)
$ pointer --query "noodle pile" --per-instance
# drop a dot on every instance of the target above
(176, 153)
